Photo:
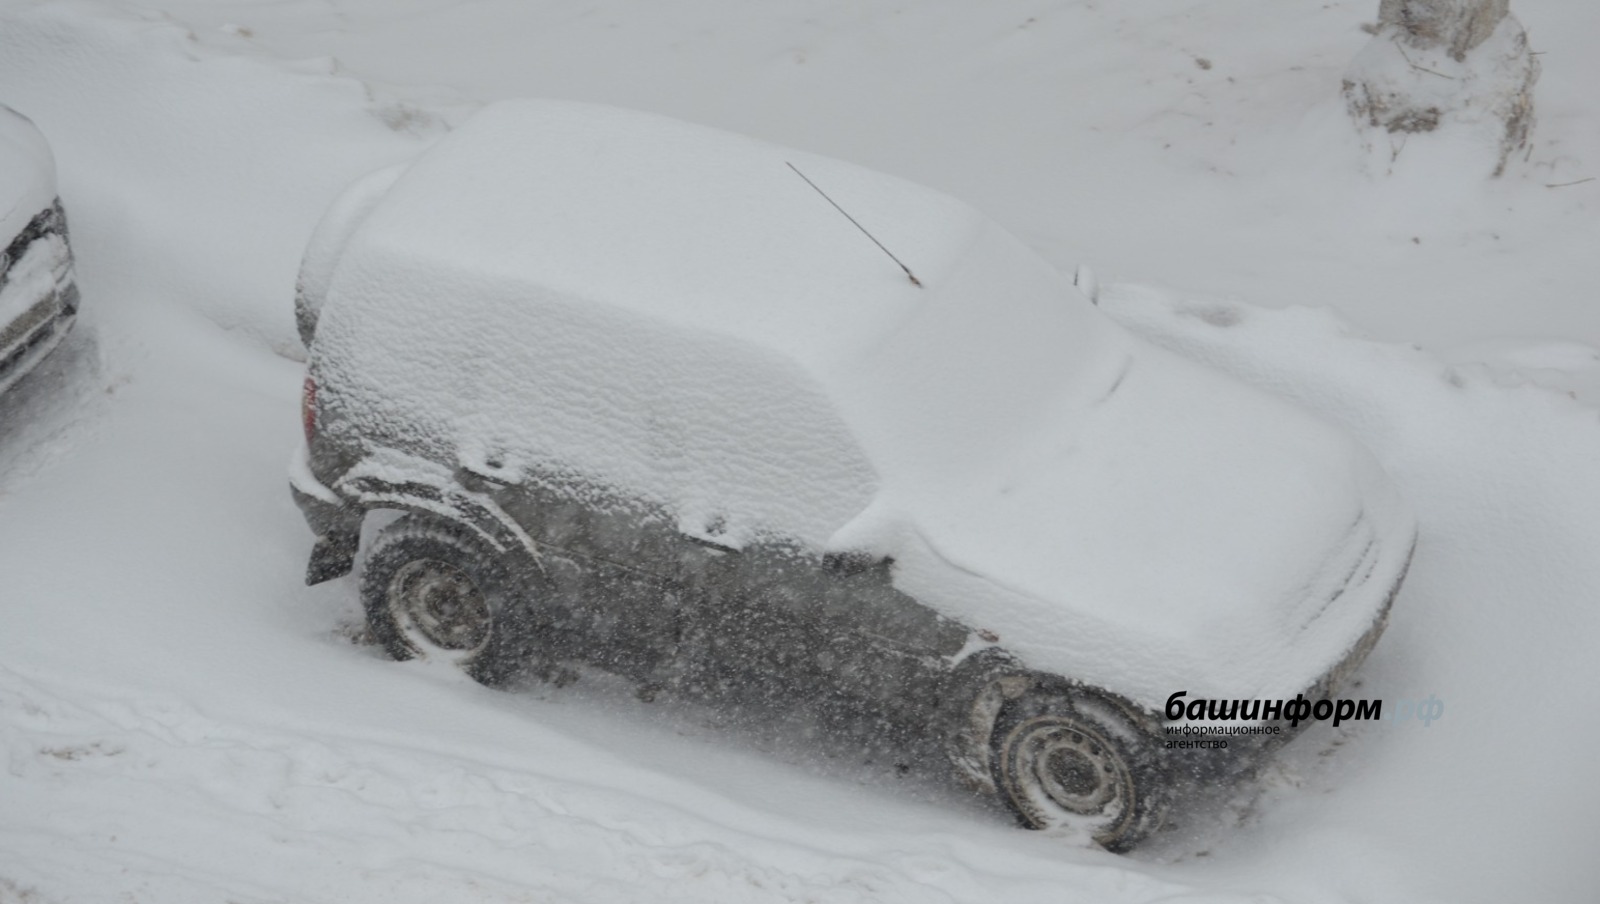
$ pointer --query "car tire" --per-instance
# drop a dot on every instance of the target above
(1076, 760)
(433, 591)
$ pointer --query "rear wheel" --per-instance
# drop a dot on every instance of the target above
(433, 591)
(1076, 760)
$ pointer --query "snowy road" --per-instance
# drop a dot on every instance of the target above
(181, 720)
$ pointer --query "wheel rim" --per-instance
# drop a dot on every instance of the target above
(1059, 772)
(440, 605)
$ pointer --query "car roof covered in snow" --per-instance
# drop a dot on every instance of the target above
(700, 228)
(652, 221)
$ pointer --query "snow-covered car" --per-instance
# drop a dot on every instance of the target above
(38, 294)
(649, 401)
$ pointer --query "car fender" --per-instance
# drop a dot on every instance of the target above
(389, 479)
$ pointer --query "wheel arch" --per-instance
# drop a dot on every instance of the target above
(421, 488)
(1121, 737)
(983, 684)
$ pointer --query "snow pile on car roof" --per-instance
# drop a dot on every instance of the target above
(696, 228)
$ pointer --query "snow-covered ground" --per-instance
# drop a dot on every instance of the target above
(181, 720)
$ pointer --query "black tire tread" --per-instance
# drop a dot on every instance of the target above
(415, 536)
(1112, 722)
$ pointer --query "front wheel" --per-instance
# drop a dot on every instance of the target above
(1075, 760)
(433, 591)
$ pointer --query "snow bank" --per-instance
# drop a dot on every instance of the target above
(131, 101)
(1205, 147)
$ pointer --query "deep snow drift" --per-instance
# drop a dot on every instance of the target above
(181, 720)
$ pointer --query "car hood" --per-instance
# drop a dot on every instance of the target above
(1179, 531)
(27, 173)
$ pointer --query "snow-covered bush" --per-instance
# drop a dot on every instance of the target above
(1461, 65)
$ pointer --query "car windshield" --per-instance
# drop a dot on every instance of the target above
(998, 339)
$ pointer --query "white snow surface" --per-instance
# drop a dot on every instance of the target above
(181, 720)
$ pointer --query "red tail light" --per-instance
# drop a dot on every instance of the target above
(308, 407)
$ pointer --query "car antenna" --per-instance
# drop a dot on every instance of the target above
(909, 275)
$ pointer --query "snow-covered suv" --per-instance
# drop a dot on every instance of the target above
(38, 294)
(649, 402)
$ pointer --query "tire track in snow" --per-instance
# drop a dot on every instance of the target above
(360, 817)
